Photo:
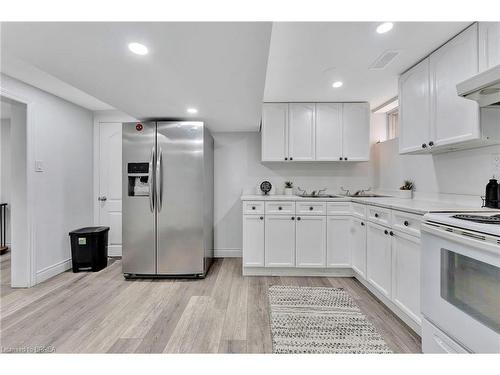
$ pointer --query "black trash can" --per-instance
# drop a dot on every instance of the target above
(89, 248)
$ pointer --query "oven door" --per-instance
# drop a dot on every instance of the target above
(461, 287)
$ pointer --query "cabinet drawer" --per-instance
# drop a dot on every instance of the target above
(280, 208)
(436, 341)
(338, 208)
(253, 207)
(358, 210)
(406, 222)
(311, 208)
(379, 215)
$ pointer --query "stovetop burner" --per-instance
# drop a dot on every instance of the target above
(494, 219)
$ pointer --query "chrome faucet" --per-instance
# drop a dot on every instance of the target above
(362, 192)
(346, 191)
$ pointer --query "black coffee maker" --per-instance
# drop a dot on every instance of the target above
(492, 194)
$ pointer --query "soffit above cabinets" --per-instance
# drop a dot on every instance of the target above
(305, 58)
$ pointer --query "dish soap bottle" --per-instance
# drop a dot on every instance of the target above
(491, 196)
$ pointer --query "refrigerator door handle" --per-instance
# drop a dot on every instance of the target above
(159, 176)
(151, 182)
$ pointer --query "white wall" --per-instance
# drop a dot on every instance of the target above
(454, 173)
(5, 161)
(237, 168)
(62, 140)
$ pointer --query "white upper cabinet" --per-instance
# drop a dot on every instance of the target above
(453, 118)
(414, 111)
(274, 131)
(489, 45)
(356, 131)
(315, 131)
(329, 131)
(301, 134)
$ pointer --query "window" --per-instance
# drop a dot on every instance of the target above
(393, 123)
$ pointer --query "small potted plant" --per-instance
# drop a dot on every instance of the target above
(407, 189)
(288, 188)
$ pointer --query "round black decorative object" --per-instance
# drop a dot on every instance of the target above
(266, 187)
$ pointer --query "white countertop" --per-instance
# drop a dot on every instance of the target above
(408, 205)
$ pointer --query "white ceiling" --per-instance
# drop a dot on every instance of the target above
(306, 58)
(217, 67)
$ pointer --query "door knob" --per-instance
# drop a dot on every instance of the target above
(102, 199)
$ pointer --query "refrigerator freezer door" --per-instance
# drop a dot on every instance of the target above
(138, 217)
(180, 243)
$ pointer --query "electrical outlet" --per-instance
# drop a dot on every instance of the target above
(495, 165)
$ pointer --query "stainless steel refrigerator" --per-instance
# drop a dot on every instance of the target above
(167, 213)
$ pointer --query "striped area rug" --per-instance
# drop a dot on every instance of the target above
(320, 320)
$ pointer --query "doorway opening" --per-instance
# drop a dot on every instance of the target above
(16, 270)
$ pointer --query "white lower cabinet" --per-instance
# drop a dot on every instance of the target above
(378, 258)
(358, 246)
(253, 241)
(279, 241)
(338, 252)
(310, 241)
(406, 274)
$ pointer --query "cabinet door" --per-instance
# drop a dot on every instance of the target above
(406, 274)
(274, 131)
(358, 246)
(454, 119)
(301, 131)
(338, 252)
(489, 45)
(310, 240)
(356, 131)
(279, 241)
(253, 241)
(414, 108)
(329, 131)
(378, 258)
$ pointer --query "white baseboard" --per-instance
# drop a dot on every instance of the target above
(227, 253)
(53, 270)
(276, 271)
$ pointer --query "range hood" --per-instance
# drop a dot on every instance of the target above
(484, 87)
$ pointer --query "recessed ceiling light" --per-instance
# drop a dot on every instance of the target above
(138, 48)
(192, 111)
(337, 84)
(384, 27)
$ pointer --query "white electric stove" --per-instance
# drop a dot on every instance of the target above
(461, 282)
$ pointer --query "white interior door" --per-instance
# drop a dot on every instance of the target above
(110, 184)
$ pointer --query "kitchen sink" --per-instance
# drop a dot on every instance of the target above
(368, 196)
(321, 196)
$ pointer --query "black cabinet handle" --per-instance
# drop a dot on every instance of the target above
(280, 208)
(386, 231)
(391, 233)
(291, 158)
(311, 208)
(253, 207)
(286, 158)
(340, 158)
(424, 145)
(261, 218)
(298, 218)
(362, 224)
(376, 215)
(431, 143)
(345, 158)
(406, 223)
(292, 218)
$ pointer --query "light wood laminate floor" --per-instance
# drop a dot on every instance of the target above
(224, 313)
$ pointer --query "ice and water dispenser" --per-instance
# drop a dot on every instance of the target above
(138, 179)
